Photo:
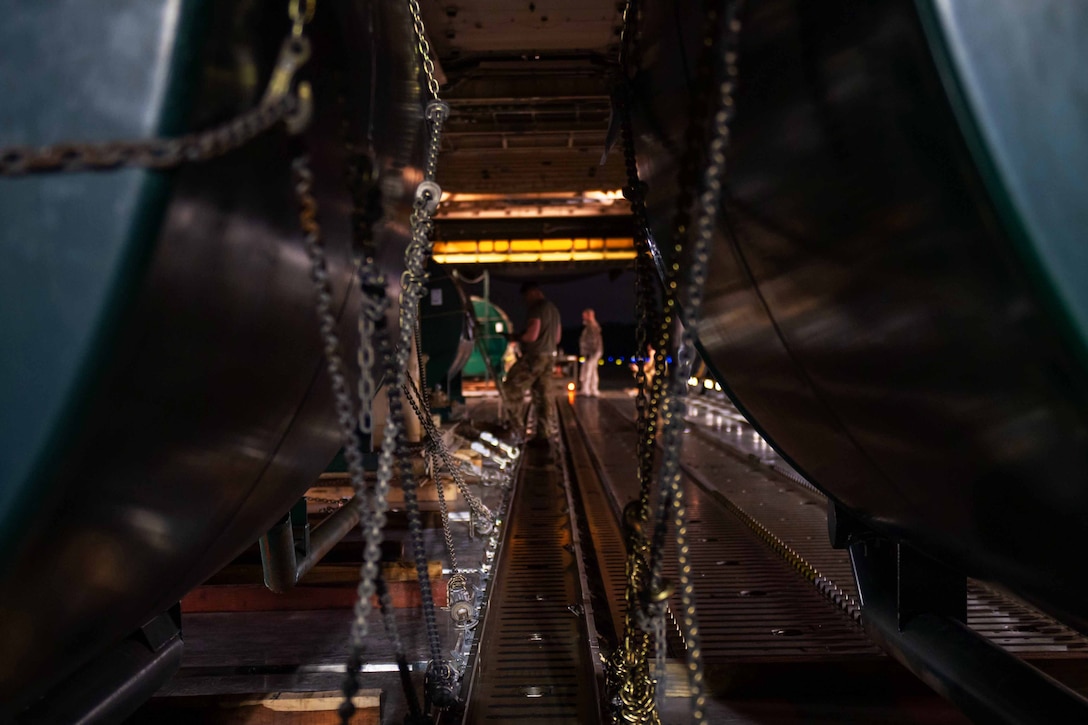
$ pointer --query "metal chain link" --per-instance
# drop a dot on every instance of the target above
(421, 364)
(440, 677)
(630, 687)
(283, 101)
(630, 680)
(158, 154)
(439, 680)
(372, 517)
(393, 356)
(362, 183)
(393, 446)
(720, 62)
(443, 510)
(432, 462)
(423, 48)
(328, 505)
(474, 503)
(436, 447)
(372, 308)
(366, 206)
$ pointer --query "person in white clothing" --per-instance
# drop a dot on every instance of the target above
(590, 347)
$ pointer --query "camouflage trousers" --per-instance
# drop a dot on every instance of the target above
(533, 374)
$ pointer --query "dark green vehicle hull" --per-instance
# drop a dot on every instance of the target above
(163, 396)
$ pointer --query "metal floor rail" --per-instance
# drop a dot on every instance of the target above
(535, 661)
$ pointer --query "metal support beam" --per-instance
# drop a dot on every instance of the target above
(915, 608)
(280, 558)
(114, 684)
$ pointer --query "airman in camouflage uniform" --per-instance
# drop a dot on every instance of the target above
(533, 370)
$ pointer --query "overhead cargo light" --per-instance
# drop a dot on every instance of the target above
(503, 251)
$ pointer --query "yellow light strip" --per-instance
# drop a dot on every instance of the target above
(501, 251)
(598, 195)
(504, 258)
(474, 246)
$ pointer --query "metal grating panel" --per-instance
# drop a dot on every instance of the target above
(727, 456)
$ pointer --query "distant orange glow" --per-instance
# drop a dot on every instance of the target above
(570, 387)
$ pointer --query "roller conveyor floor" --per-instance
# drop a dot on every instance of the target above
(777, 604)
(775, 650)
(791, 509)
(535, 659)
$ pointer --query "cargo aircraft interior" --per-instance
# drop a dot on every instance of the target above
(472, 362)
